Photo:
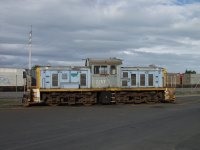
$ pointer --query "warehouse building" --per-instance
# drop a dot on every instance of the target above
(191, 80)
(174, 79)
(179, 80)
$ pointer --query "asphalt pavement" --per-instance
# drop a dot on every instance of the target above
(103, 127)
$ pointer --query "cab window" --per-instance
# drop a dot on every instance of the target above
(96, 69)
(113, 70)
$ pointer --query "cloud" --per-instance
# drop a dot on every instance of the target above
(141, 32)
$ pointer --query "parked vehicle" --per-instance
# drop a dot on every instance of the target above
(12, 79)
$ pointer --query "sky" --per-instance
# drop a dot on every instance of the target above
(165, 33)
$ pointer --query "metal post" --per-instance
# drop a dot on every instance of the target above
(191, 83)
(30, 51)
(175, 81)
(24, 85)
(171, 80)
(16, 87)
(30, 48)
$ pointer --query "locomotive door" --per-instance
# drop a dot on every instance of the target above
(84, 83)
(133, 80)
(83, 80)
(54, 79)
(150, 79)
(130, 79)
(142, 78)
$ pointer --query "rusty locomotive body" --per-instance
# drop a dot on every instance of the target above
(100, 81)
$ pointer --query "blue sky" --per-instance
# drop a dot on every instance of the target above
(187, 1)
(141, 32)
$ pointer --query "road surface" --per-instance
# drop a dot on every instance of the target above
(118, 127)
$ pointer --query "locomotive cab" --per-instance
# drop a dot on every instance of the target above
(105, 73)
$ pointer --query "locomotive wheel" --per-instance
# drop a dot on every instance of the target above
(137, 100)
(105, 98)
(52, 101)
(52, 104)
(158, 98)
(87, 104)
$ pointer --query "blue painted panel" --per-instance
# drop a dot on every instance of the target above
(157, 77)
(42, 79)
(67, 78)
(64, 78)
(158, 80)
(48, 79)
(75, 76)
(45, 79)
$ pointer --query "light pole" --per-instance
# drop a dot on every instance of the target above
(30, 48)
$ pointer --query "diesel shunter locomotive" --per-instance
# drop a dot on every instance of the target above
(100, 81)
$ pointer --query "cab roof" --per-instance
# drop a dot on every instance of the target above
(109, 61)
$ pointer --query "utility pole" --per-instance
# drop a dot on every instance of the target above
(30, 59)
(30, 48)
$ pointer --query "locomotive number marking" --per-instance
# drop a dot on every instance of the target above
(100, 82)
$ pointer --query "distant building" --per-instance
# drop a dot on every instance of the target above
(174, 80)
(191, 80)
(179, 80)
